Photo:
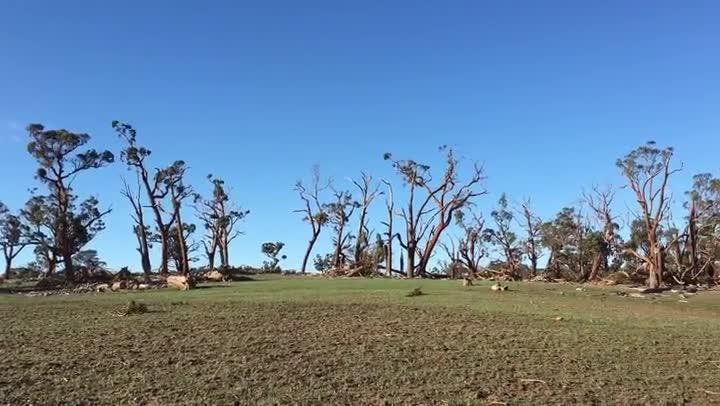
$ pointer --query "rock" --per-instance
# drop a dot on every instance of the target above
(103, 287)
(637, 295)
(581, 289)
(467, 282)
(180, 282)
(143, 286)
(215, 276)
(559, 318)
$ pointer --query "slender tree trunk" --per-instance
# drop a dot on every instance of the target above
(410, 264)
(308, 251)
(8, 267)
(337, 261)
(69, 269)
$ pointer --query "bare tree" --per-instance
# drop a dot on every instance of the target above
(471, 244)
(435, 210)
(172, 178)
(313, 210)
(389, 236)
(140, 229)
(532, 225)
(647, 170)
(600, 202)
(368, 192)
(339, 212)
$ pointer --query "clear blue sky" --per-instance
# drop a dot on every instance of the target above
(546, 94)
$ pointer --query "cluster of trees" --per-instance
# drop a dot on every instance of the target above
(438, 217)
(58, 224)
(434, 224)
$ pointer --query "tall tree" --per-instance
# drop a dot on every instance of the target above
(140, 228)
(389, 235)
(435, 206)
(368, 191)
(156, 189)
(600, 201)
(313, 211)
(558, 236)
(14, 235)
(59, 163)
(173, 179)
(532, 225)
(339, 212)
(647, 170)
(504, 238)
(219, 218)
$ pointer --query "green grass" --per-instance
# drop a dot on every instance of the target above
(293, 340)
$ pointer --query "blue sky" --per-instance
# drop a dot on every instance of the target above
(546, 94)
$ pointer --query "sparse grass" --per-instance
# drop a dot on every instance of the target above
(292, 340)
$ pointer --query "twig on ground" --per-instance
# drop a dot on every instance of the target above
(533, 381)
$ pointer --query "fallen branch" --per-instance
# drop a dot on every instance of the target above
(533, 381)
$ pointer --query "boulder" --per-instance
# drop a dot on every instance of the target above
(103, 287)
(180, 282)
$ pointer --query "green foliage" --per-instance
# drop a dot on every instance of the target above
(272, 251)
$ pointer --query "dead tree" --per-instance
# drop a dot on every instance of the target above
(471, 244)
(313, 211)
(140, 229)
(647, 170)
(172, 178)
(435, 210)
(339, 212)
(600, 202)
(389, 235)
(532, 225)
(368, 192)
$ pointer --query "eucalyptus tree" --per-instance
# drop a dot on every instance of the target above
(67, 223)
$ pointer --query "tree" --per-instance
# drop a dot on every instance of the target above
(558, 236)
(172, 178)
(140, 229)
(313, 211)
(532, 225)
(700, 240)
(389, 235)
(647, 170)
(272, 251)
(503, 237)
(600, 201)
(219, 219)
(156, 189)
(339, 212)
(368, 192)
(71, 225)
(13, 237)
(471, 244)
(437, 206)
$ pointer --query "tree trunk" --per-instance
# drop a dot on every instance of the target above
(69, 270)
(533, 264)
(410, 264)
(8, 267)
(308, 251)
(595, 268)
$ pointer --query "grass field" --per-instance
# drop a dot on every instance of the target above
(317, 341)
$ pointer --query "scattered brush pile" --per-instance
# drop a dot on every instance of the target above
(415, 292)
(130, 309)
